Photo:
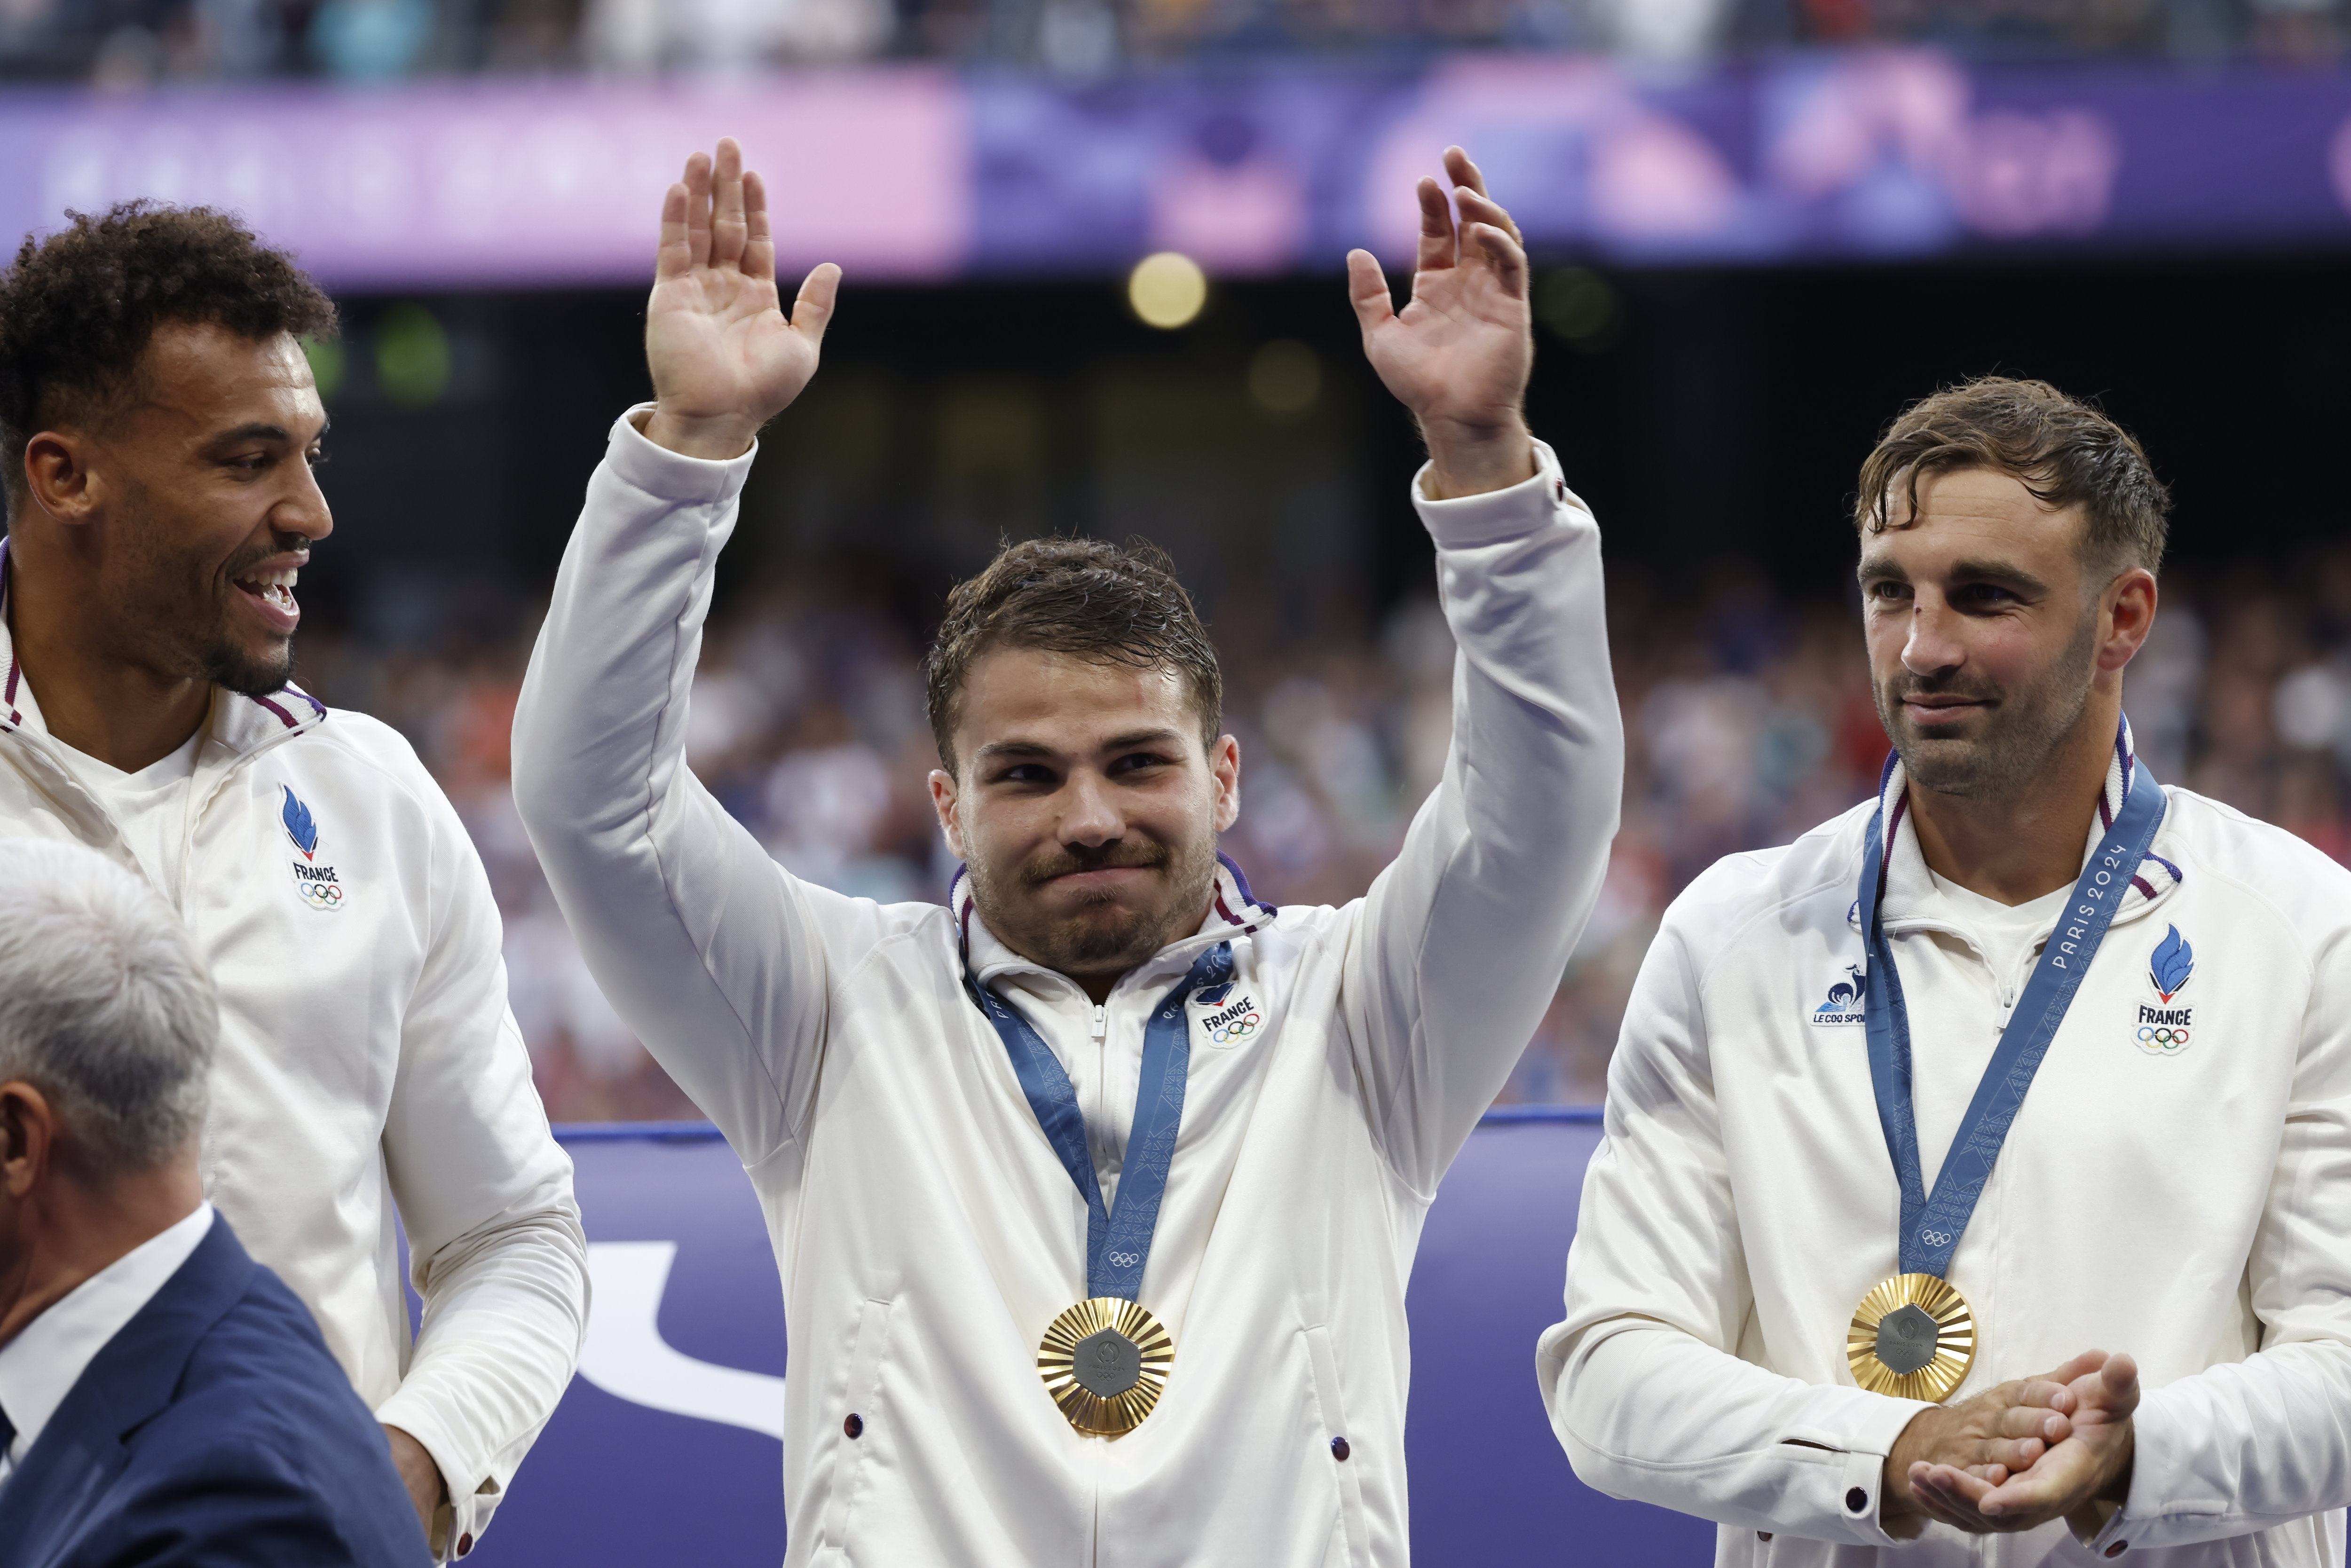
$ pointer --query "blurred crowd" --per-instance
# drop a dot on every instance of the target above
(125, 43)
(1747, 715)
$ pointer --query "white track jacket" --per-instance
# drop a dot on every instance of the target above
(367, 1060)
(2177, 1185)
(925, 1232)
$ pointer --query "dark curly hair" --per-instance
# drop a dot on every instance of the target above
(77, 309)
(1117, 604)
(2063, 450)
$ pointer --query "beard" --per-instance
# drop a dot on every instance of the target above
(2016, 736)
(1102, 933)
(244, 672)
(176, 625)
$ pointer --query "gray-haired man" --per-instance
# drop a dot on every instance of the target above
(164, 1399)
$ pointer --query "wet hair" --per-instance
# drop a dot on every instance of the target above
(1116, 604)
(79, 308)
(2064, 451)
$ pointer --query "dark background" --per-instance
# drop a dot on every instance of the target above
(1715, 421)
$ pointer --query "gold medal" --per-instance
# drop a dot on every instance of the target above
(1913, 1337)
(1106, 1363)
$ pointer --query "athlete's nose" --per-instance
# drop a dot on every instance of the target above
(1089, 818)
(1932, 645)
(305, 512)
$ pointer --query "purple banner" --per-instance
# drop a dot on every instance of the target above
(915, 174)
(503, 182)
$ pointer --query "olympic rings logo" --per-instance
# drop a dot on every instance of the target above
(321, 894)
(1936, 1237)
(1240, 1028)
(2162, 1036)
(1125, 1260)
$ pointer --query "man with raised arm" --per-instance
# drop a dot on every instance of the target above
(1977, 1163)
(1095, 1191)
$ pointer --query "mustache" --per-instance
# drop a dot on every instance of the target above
(1909, 685)
(1119, 855)
(245, 559)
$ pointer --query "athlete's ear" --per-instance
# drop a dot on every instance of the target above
(57, 476)
(1225, 767)
(2128, 611)
(946, 804)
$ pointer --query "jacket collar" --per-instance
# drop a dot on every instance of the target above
(1235, 912)
(242, 724)
(126, 1385)
(1909, 887)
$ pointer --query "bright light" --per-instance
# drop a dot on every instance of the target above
(1167, 289)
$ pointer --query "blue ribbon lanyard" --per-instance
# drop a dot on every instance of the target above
(1932, 1226)
(1118, 1243)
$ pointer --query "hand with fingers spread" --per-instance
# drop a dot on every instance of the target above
(724, 358)
(1460, 352)
(2094, 1394)
(1989, 1436)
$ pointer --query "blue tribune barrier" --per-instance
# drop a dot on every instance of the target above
(667, 1448)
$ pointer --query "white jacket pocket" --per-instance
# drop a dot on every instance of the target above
(1332, 1401)
(862, 1424)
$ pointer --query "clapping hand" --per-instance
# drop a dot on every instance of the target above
(723, 357)
(1460, 352)
(2095, 1394)
(1988, 1436)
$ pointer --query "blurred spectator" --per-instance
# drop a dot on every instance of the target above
(1748, 716)
(371, 40)
(128, 43)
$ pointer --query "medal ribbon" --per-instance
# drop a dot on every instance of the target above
(1931, 1226)
(1118, 1242)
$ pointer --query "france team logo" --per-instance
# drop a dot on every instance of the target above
(300, 826)
(317, 885)
(2165, 1030)
(2170, 966)
(1226, 1022)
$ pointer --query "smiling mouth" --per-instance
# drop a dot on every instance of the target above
(273, 592)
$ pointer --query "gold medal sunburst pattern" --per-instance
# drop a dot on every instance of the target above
(1087, 1411)
(1955, 1338)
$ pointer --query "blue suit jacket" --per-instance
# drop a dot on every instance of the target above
(214, 1429)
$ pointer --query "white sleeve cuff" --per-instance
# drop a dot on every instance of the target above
(473, 1493)
(1465, 522)
(1878, 1422)
(669, 476)
(2168, 1503)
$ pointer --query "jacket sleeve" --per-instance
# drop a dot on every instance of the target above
(243, 1502)
(719, 959)
(1645, 1388)
(496, 1248)
(1460, 943)
(2248, 1445)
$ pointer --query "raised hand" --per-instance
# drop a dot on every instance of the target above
(2097, 1394)
(723, 358)
(1459, 353)
(1986, 1437)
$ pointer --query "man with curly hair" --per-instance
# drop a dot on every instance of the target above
(160, 425)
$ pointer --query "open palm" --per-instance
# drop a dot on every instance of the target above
(724, 358)
(2097, 1394)
(1459, 353)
